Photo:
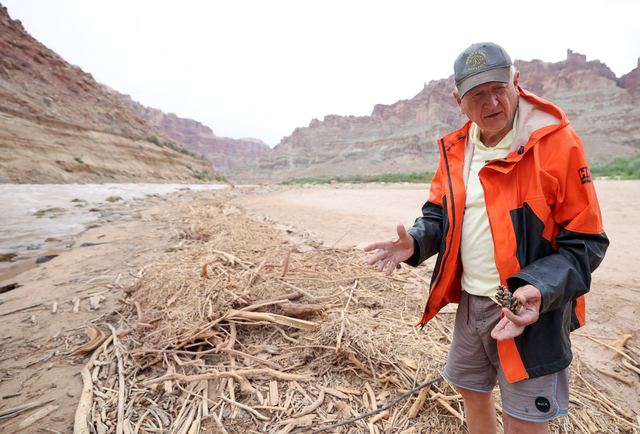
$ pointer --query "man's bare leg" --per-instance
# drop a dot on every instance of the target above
(480, 411)
(513, 425)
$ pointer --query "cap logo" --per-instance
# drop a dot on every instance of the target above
(476, 60)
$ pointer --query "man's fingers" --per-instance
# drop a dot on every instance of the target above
(391, 267)
(372, 246)
(506, 329)
(524, 318)
(401, 231)
(376, 257)
(499, 329)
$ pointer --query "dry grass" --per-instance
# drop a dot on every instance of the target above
(244, 328)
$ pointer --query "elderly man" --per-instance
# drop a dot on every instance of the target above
(512, 203)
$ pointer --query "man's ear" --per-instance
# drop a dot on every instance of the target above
(516, 77)
(456, 95)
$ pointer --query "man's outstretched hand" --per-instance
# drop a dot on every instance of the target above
(512, 325)
(391, 252)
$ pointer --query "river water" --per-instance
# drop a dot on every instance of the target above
(23, 232)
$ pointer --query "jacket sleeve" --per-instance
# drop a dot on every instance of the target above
(579, 242)
(427, 230)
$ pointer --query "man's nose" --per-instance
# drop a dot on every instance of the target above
(491, 101)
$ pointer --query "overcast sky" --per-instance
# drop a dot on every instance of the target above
(262, 68)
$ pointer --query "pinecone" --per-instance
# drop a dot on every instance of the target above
(506, 299)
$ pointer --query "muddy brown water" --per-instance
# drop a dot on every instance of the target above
(31, 214)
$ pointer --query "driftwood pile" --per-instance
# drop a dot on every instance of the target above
(244, 328)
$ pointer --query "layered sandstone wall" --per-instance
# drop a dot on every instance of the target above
(227, 155)
(402, 137)
(52, 112)
(35, 149)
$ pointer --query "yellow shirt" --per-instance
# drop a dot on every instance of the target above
(480, 275)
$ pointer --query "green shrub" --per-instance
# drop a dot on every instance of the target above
(79, 160)
(359, 179)
(179, 148)
(203, 176)
(155, 140)
(618, 167)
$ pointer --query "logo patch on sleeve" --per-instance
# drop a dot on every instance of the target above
(585, 175)
(542, 404)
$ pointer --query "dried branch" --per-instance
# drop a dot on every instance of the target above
(391, 404)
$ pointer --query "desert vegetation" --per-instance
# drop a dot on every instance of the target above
(425, 177)
(618, 168)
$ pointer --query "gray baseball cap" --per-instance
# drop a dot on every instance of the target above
(481, 63)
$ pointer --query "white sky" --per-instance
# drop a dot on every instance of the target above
(262, 68)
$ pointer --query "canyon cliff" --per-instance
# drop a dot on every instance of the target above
(57, 124)
(402, 137)
(227, 155)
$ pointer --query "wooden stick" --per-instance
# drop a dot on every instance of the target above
(620, 343)
(247, 408)
(616, 376)
(630, 367)
(391, 404)
(14, 411)
(121, 383)
(286, 263)
(219, 423)
(342, 327)
(301, 291)
(372, 396)
(257, 272)
(308, 409)
(279, 299)
(425, 281)
(229, 374)
(622, 353)
(232, 259)
(80, 425)
(212, 351)
(178, 293)
(632, 349)
(355, 361)
(271, 317)
(576, 421)
(204, 268)
(422, 396)
(37, 416)
(446, 405)
(600, 398)
(615, 416)
(20, 309)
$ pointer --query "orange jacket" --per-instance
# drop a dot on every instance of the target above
(546, 226)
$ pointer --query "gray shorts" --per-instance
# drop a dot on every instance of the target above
(473, 364)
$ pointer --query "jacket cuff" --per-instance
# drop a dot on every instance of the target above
(414, 260)
(521, 279)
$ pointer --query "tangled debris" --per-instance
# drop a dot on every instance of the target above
(245, 328)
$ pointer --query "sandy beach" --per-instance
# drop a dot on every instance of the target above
(44, 317)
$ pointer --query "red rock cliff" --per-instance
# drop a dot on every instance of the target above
(54, 115)
(402, 137)
(227, 155)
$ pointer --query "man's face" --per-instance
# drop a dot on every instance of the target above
(491, 106)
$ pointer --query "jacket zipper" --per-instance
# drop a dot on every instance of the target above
(453, 222)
